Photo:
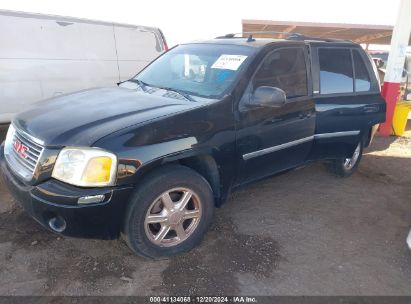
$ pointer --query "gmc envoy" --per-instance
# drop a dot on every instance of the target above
(150, 159)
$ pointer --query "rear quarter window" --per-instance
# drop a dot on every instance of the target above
(362, 78)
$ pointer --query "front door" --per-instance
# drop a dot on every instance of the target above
(272, 139)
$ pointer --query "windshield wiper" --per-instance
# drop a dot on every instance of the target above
(144, 86)
(140, 83)
(182, 93)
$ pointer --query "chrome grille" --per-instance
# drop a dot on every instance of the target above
(22, 153)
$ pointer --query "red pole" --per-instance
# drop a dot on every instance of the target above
(390, 92)
(395, 65)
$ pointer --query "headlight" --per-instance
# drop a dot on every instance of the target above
(8, 143)
(86, 167)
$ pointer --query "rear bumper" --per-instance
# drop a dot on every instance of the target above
(53, 199)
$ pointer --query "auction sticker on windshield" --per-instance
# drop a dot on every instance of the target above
(229, 62)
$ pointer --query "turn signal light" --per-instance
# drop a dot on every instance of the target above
(98, 170)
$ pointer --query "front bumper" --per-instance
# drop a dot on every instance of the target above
(53, 199)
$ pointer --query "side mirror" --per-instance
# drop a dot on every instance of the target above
(407, 95)
(407, 91)
(378, 62)
(265, 96)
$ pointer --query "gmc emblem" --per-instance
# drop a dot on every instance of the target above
(20, 148)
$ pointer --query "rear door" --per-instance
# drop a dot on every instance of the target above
(270, 139)
(347, 97)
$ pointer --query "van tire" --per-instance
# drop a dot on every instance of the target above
(148, 195)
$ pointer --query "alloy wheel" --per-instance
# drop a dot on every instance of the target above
(173, 217)
(349, 163)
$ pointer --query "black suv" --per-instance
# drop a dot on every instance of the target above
(151, 158)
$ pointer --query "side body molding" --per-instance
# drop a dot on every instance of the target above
(299, 141)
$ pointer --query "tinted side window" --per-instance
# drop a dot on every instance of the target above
(336, 75)
(362, 78)
(285, 69)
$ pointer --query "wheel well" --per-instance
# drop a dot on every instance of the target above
(207, 167)
(204, 165)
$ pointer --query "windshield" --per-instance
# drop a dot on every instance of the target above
(205, 70)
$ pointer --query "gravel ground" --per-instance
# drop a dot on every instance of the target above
(305, 232)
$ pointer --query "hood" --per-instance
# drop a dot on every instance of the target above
(81, 118)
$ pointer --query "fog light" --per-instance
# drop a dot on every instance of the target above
(92, 199)
(57, 224)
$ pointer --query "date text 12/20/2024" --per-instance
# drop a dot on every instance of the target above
(208, 299)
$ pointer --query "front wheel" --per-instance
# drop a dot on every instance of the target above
(344, 167)
(169, 213)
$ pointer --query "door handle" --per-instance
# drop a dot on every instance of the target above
(371, 108)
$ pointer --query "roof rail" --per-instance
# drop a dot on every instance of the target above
(290, 36)
(326, 39)
(250, 35)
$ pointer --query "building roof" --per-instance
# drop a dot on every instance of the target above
(359, 33)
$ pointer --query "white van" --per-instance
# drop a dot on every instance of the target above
(42, 56)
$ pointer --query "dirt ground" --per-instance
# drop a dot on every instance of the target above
(305, 232)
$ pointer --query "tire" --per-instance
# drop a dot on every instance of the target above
(160, 198)
(345, 167)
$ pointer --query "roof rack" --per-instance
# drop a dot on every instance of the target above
(250, 35)
(290, 36)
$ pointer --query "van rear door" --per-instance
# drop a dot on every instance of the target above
(136, 47)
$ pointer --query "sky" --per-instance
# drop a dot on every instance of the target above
(185, 20)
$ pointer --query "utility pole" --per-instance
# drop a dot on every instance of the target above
(395, 65)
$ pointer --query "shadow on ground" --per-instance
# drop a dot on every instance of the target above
(211, 268)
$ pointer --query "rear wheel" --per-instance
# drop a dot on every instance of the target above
(344, 167)
(169, 213)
